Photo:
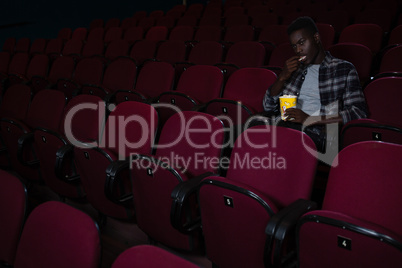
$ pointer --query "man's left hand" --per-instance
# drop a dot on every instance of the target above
(296, 115)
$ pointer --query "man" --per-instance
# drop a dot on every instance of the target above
(328, 89)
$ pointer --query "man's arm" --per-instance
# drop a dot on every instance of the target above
(298, 116)
(291, 65)
(271, 97)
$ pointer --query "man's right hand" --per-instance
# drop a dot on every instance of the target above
(291, 65)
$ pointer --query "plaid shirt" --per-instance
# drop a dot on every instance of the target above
(339, 85)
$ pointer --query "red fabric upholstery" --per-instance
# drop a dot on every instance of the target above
(360, 209)
(58, 235)
(12, 209)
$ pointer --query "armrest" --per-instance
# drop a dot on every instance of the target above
(113, 178)
(62, 155)
(25, 141)
(281, 225)
(180, 195)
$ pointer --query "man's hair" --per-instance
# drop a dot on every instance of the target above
(303, 23)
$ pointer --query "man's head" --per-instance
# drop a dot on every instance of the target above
(305, 40)
(306, 23)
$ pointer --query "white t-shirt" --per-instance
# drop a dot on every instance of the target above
(309, 98)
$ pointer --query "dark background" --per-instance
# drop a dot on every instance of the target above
(44, 18)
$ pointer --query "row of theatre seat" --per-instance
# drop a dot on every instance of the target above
(250, 209)
(337, 14)
(360, 44)
(42, 239)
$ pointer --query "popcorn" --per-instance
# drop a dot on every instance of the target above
(302, 58)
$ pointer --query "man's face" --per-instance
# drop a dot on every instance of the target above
(305, 44)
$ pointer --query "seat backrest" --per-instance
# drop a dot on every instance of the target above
(206, 52)
(171, 51)
(370, 35)
(259, 21)
(364, 129)
(233, 10)
(147, 23)
(195, 9)
(58, 235)
(355, 179)
(13, 202)
(46, 109)
(380, 16)
(395, 37)
(117, 48)
(236, 20)
(120, 74)
(128, 22)
(72, 46)
(82, 118)
(246, 54)
(187, 20)
(5, 58)
(80, 33)
(276, 34)
(15, 102)
(339, 19)
(54, 46)
(96, 34)
(38, 66)
(89, 71)
(156, 13)
(283, 152)
(143, 50)
(188, 134)
(388, 61)
(130, 128)
(212, 19)
(280, 54)
(208, 33)
(359, 55)
(38, 46)
(377, 94)
(239, 33)
(23, 44)
(113, 33)
(140, 14)
(248, 85)
(64, 33)
(62, 67)
(112, 22)
(19, 63)
(327, 34)
(183, 33)
(167, 21)
(93, 47)
(9, 44)
(133, 34)
(96, 23)
(201, 82)
(155, 78)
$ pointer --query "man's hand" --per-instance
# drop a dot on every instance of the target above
(296, 115)
(291, 65)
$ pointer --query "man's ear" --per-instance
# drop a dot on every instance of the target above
(317, 37)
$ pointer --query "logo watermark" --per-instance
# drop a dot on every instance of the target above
(117, 133)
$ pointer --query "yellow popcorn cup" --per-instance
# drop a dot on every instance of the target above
(286, 101)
